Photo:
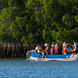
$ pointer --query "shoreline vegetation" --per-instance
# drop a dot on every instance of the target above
(36, 21)
(10, 50)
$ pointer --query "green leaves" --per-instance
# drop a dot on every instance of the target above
(68, 21)
(38, 21)
(76, 18)
(70, 35)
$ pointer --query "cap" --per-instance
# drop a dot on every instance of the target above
(46, 44)
(56, 44)
(52, 45)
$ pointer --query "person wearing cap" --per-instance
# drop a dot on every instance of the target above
(52, 50)
(56, 48)
(47, 49)
(64, 48)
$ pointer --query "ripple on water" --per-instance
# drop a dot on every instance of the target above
(20, 68)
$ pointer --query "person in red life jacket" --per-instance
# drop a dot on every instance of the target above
(64, 47)
(75, 47)
(56, 48)
(52, 50)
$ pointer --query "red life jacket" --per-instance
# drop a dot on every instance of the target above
(51, 51)
(56, 48)
(46, 49)
(73, 46)
(64, 49)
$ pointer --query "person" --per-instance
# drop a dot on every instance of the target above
(68, 49)
(64, 47)
(38, 49)
(52, 50)
(47, 49)
(75, 47)
(60, 49)
(56, 48)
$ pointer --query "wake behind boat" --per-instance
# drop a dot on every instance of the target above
(68, 57)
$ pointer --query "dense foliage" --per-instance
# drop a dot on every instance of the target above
(38, 21)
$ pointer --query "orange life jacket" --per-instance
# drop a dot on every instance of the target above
(64, 49)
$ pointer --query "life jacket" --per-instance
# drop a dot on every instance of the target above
(64, 49)
(51, 51)
(39, 48)
(56, 48)
(47, 50)
(73, 46)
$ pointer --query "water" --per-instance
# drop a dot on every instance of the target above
(20, 68)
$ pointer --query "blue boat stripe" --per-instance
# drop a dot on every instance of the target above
(34, 54)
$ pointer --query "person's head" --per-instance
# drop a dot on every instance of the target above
(38, 45)
(46, 44)
(56, 44)
(52, 45)
(74, 42)
(64, 44)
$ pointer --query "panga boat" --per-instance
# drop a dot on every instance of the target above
(32, 55)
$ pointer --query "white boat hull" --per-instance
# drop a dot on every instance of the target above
(72, 57)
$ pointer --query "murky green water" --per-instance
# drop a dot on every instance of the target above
(20, 68)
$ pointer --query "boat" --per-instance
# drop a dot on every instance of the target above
(34, 56)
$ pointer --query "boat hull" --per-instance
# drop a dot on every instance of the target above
(35, 57)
